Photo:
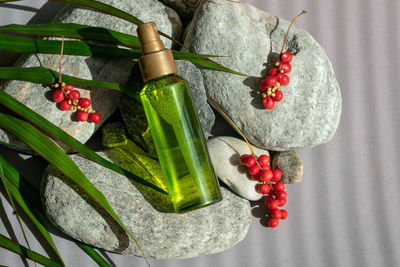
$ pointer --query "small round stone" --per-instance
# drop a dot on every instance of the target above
(289, 162)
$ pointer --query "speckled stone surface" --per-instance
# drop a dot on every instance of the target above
(225, 152)
(291, 165)
(310, 110)
(161, 234)
(104, 101)
(185, 8)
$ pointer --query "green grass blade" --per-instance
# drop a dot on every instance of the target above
(74, 31)
(29, 45)
(56, 156)
(210, 64)
(46, 76)
(110, 10)
(31, 195)
(93, 254)
(16, 195)
(9, 244)
(6, 187)
(31, 116)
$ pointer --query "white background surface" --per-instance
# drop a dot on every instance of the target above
(346, 211)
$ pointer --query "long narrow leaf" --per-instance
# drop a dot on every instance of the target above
(84, 32)
(93, 254)
(46, 76)
(74, 31)
(23, 111)
(10, 198)
(210, 64)
(110, 10)
(56, 156)
(29, 45)
(19, 199)
(9, 244)
(31, 195)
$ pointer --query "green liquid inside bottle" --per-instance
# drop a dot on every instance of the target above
(180, 143)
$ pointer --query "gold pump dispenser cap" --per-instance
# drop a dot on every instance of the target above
(156, 60)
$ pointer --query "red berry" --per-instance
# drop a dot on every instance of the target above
(264, 188)
(82, 115)
(95, 117)
(281, 202)
(58, 95)
(278, 186)
(243, 159)
(255, 177)
(250, 161)
(271, 80)
(286, 57)
(271, 203)
(275, 213)
(84, 102)
(266, 175)
(253, 170)
(68, 87)
(286, 67)
(263, 85)
(268, 103)
(284, 214)
(280, 194)
(278, 96)
(263, 160)
(277, 175)
(273, 222)
(283, 79)
(274, 71)
(65, 106)
(74, 95)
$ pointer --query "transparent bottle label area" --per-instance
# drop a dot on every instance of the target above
(181, 146)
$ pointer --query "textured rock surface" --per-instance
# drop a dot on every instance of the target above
(135, 120)
(225, 152)
(162, 235)
(104, 101)
(185, 8)
(289, 162)
(310, 110)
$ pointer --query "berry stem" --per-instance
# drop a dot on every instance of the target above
(61, 55)
(290, 25)
(234, 125)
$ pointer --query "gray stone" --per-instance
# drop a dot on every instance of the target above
(161, 234)
(134, 117)
(185, 8)
(104, 101)
(225, 152)
(289, 162)
(310, 110)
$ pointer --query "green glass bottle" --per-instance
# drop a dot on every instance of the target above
(177, 134)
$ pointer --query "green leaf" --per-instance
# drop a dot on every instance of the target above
(74, 31)
(46, 76)
(210, 64)
(83, 32)
(31, 116)
(6, 187)
(56, 156)
(29, 45)
(9, 244)
(110, 10)
(11, 181)
(32, 196)
(93, 254)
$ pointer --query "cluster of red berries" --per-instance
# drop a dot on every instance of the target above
(260, 170)
(270, 87)
(70, 99)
